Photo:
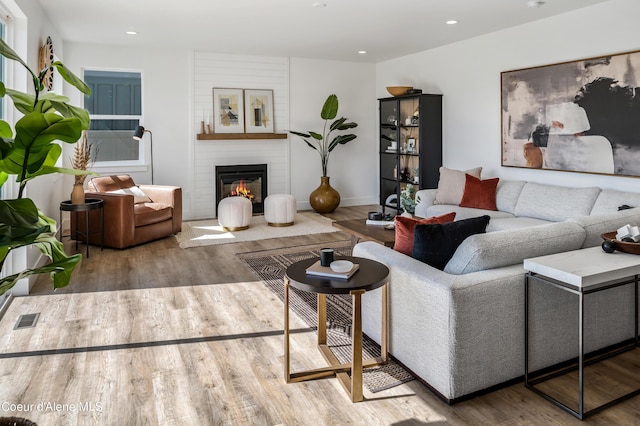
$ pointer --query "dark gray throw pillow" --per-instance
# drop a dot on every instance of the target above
(435, 244)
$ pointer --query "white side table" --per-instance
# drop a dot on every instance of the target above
(581, 272)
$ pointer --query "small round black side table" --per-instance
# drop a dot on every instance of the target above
(88, 205)
(370, 276)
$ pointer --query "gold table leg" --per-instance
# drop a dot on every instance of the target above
(352, 383)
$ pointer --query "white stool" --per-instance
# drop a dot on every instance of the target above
(234, 213)
(280, 209)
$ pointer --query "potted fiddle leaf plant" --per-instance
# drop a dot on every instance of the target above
(29, 152)
(325, 199)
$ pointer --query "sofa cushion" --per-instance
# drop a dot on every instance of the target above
(451, 185)
(609, 200)
(596, 225)
(479, 194)
(434, 244)
(150, 213)
(555, 203)
(502, 248)
(405, 227)
(510, 223)
(461, 212)
(507, 194)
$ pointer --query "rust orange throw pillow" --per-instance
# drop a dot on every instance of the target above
(479, 194)
(406, 225)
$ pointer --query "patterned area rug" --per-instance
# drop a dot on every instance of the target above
(270, 266)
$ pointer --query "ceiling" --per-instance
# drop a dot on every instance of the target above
(297, 28)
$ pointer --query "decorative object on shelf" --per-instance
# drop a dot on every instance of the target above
(407, 202)
(258, 107)
(398, 90)
(415, 118)
(82, 160)
(228, 110)
(137, 135)
(623, 246)
(411, 145)
(325, 199)
(578, 116)
(44, 61)
(36, 137)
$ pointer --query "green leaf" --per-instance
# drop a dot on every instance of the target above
(316, 136)
(340, 140)
(330, 108)
(22, 101)
(5, 130)
(346, 126)
(71, 78)
(3, 90)
(311, 145)
(18, 212)
(303, 135)
(9, 53)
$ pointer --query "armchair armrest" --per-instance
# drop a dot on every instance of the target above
(169, 195)
(119, 224)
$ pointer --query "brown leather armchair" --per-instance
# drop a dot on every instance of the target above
(131, 219)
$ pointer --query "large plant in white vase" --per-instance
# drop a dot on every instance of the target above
(31, 152)
(325, 199)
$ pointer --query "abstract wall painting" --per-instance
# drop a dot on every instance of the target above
(228, 111)
(579, 116)
(258, 106)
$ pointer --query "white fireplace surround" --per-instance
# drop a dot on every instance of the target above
(244, 72)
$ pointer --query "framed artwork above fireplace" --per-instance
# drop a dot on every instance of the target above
(258, 105)
(228, 110)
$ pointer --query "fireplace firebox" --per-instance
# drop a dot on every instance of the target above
(245, 180)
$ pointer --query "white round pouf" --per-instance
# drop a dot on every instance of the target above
(234, 213)
(280, 209)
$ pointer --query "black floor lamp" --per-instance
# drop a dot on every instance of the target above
(137, 135)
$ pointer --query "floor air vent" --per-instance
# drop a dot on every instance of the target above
(26, 321)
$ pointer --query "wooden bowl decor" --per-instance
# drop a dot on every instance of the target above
(398, 90)
(610, 244)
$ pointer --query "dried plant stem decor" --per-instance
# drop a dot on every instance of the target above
(82, 160)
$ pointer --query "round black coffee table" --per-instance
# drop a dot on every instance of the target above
(370, 276)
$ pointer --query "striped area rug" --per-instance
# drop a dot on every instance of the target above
(270, 266)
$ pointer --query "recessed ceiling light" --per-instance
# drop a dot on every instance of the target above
(362, 52)
(534, 3)
(451, 22)
(131, 32)
(319, 4)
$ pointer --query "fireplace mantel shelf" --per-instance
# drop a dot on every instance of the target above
(234, 136)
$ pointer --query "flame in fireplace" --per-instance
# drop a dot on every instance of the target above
(242, 191)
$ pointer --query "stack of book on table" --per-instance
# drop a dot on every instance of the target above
(325, 271)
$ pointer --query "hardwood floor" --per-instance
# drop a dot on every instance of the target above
(158, 335)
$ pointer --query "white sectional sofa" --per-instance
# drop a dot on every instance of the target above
(461, 330)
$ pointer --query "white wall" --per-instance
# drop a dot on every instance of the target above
(166, 102)
(352, 167)
(468, 75)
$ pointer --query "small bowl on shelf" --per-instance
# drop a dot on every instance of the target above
(398, 90)
(341, 266)
(623, 246)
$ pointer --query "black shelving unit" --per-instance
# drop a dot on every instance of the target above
(410, 141)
